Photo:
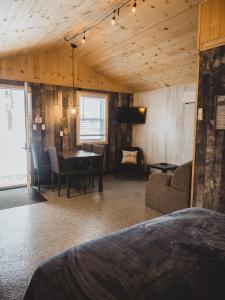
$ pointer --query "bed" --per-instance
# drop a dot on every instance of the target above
(177, 256)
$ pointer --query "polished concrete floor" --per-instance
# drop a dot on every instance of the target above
(30, 234)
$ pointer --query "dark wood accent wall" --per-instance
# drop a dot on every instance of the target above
(209, 189)
(53, 105)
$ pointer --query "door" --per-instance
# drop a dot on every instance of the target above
(13, 156)
(28, 124)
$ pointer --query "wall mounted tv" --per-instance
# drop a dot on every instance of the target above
(135, 115)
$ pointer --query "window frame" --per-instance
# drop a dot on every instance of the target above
(94, 94)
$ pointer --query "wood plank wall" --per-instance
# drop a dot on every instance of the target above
(212, 24)
(209, 183)
(168, 133)
(54, 66)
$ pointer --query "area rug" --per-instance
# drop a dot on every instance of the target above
(19, 197)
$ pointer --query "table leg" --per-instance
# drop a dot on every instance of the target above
(68, 185)
(67, 180)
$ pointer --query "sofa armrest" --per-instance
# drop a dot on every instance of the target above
(160, 179)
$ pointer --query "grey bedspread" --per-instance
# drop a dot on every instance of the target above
(180, 256)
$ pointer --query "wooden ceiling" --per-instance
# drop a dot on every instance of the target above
(155, 47)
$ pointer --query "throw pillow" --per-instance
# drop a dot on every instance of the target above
(129, 157)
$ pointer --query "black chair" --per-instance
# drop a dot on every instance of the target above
(58, 169)
(96, 165)
(129, 168)
(41, 169)
(87, 147)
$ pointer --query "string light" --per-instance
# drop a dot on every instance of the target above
(83, 39)
(113, 21)
(134, 7)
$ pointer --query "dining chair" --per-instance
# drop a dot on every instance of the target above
(87, 147)
(40, 168)
(96, 165)
(58, 169)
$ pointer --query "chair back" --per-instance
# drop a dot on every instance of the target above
(54, 159)
(99, 149)
(182, 177)
(87, 147)
(35, 156)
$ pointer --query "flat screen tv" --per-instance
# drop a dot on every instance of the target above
(135, 115)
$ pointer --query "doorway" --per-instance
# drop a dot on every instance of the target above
(13, 156)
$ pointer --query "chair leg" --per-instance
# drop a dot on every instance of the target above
(59, 184)
(84, 185)
(93, 182)
(38, 181)
(52, 181)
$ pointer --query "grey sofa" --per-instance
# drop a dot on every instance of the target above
(167, 193)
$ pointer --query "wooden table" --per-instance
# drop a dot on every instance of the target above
(164, 167)
(83, 155)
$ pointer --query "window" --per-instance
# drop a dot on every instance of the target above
(92, 121)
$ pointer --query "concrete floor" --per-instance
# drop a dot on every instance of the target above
(30, 234)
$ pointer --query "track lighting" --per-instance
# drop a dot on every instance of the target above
(83, 39)
(134, 7)
(113, 18)
(113, 14)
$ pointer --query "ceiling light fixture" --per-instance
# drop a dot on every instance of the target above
(83, 39)
(73, 109)
(111, 15)
(113, 21)
(134, 7)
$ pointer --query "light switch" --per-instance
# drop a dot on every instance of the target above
(42, 126)
(34, 127)
(61, 133)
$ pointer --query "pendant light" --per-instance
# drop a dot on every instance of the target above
(73, 110)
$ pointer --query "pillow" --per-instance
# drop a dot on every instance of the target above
(129, 157)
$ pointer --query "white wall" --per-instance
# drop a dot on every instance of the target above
(168, 134)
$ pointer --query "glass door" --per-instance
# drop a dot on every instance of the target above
(13, 156)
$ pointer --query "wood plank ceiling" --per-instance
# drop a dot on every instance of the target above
(153, 48)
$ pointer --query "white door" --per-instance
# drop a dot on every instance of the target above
(13, 157)
(28, 124)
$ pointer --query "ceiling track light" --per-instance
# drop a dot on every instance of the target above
(84, 38)
(113, 21)
(115, 12)
(134, 7)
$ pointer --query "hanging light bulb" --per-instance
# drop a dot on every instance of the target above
(83, 39)
(134, 7)
(113, 22)
(73, 110)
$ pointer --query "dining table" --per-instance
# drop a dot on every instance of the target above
(81, 155)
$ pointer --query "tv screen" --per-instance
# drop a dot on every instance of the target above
(135, 115)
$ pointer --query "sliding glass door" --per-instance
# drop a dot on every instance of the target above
(13, 155)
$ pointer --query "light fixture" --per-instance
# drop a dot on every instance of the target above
(112, 16)
(73, 109)
(113, 21)
(134, 7)
(83, 39)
